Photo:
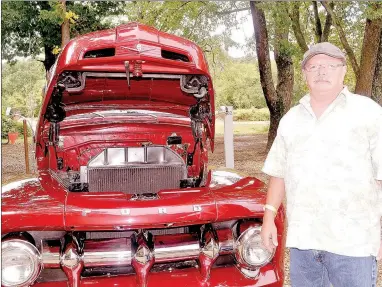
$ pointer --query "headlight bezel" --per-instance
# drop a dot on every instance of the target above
(240, 244)
(31, 251)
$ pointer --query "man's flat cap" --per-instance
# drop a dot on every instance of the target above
(325, 48)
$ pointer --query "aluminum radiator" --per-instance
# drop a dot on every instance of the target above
(135, 170)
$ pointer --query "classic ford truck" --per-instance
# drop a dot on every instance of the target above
(124, 196)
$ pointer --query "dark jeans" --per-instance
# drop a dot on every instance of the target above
(315, 268)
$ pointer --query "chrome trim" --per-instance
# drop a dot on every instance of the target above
(162, 210)
(70, 258)
(238, 249)
(131, 156)
(197, 208)
(209, 242)
(125, 211)
(144, 196)
(143, 255)
(181, 246)
(110, 252)
(251, 274)
(161, 248)
(50, 255)
(211, 249)
(226, 241)
(142, 245)
(118, 252)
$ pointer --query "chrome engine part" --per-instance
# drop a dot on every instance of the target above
(134, 170)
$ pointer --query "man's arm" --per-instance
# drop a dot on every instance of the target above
(274, 166)
(275, 196)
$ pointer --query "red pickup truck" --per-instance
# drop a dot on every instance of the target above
(124, 196)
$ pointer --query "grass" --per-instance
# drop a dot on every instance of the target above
(243, 128)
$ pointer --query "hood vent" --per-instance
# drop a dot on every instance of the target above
(174, 56)
(108, 52)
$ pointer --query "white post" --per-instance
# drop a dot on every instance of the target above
(228, 136)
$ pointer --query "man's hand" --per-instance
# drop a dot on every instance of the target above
(269, 232)
(379, 256)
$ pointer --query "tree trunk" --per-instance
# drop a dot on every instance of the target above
(328, 25)
(278, 100)
(65, 27)
(376, 93)
(342, 36)
(49, 57)
(285, 72)
(294, 15)
(318, 26)
(369, 55)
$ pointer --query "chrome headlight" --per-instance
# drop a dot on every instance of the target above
(21, 263)
(250, 252)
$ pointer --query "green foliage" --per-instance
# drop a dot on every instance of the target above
(22, 86)
(251, 114)
(31, 27)
(9, 125)
(20, 128)
(194, 20)
(238, 85)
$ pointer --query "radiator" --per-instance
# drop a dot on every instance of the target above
(135, 179)
(134, 170)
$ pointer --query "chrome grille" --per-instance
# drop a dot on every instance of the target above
(135, 179)
(121, 234)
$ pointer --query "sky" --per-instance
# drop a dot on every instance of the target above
(245, 30)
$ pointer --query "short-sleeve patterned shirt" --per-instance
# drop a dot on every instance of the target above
(331, 167)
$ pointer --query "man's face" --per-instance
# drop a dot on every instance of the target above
(324, 73)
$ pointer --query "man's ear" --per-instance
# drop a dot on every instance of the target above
(344, 72)
(304, 75)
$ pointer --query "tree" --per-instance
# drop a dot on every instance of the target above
(373, 25)
(242, 91)
(376, 93)
(29, 28)
(65, 26)
(194, 20)
(22, 86)
(278, 99)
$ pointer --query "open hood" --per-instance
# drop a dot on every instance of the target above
(132, 66)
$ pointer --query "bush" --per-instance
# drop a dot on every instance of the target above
(251, 114)
(20, 129)
(9, 125)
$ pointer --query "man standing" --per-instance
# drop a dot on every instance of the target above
(327, 161)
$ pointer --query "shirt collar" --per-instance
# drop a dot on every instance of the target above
(339, 100)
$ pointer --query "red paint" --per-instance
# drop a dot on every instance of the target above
(225, 276)
(43, 204)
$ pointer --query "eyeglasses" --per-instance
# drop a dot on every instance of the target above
(315, 68)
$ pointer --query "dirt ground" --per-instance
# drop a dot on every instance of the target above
(249, 157)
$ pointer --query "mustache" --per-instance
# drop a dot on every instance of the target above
(321, 79)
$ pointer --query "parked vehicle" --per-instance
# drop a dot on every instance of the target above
(124, 196)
